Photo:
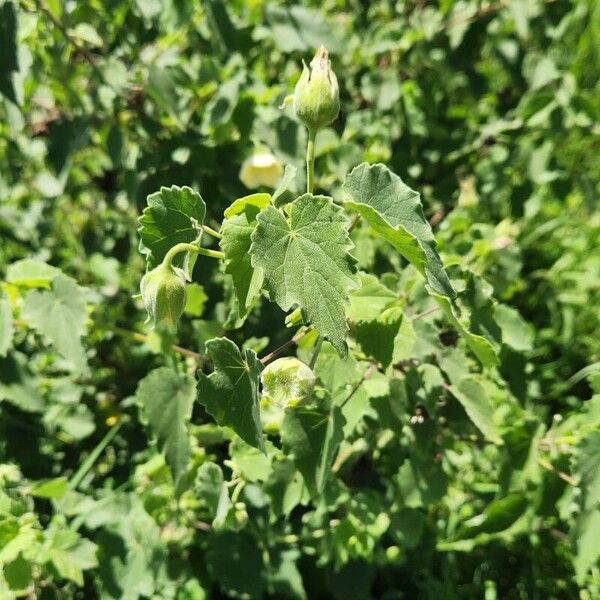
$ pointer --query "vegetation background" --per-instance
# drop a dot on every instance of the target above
(491, 109)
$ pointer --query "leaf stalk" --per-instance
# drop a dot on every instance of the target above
(183, 247)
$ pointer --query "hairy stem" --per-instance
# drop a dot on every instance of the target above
(178, 248)
(310, 161)
(212, 232)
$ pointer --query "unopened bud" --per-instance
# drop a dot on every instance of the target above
(287, 382)
(317, 96)
(163, 293)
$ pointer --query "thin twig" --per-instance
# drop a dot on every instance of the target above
(190, 353)
(566, 440)
(41, 5)
(426, 313)
(354, 223)
(550, 467)
(315, 354)
(437, 217)
(299, 335)
(559, 535)
(372, 368)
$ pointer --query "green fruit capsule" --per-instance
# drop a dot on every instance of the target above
(287, 382)
(317, 96)
(163, 294)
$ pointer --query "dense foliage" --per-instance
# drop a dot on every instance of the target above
(441, 286)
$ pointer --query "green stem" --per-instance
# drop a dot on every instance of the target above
(211, 253)
(310, 161)
(315, 354)
(88, 463)
(178, 248)
(212, 232)
(237, 491)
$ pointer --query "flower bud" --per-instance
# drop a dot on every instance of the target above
(163, 293)
(287, 382)
(317, 97)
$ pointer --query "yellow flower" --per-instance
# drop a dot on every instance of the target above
(261, 169)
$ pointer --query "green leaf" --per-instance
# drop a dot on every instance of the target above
(162, 88)
(283, 194)
(136, 557)
(195, 299)
(173, 215)
(285, 576)
(236, 230)
(306, 261)
(587, 533)
(9, 62)
(250, 463)
(86, 33)
(230, 393)
(313, 438)
(421, 481)
(70, 554)
(211, 489)
(30, 272)
(18, 385)
(424, 386)
(516, 332)
(50, 488)
(17, 573)
(236, 564)
(220, 110)
(499, 515)
(166, 399)
(474, 399)
(589, 469)
(60, 315)
(284, 486)
(480, 346)
(394, 211)
(388, 339)
(337, 375)
(224, 28)
(6, 325)
(300, 28)
(368, 301)
(239, 206)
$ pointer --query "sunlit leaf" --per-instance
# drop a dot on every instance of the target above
(306, 262)
(166, 399)
(230, 393)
